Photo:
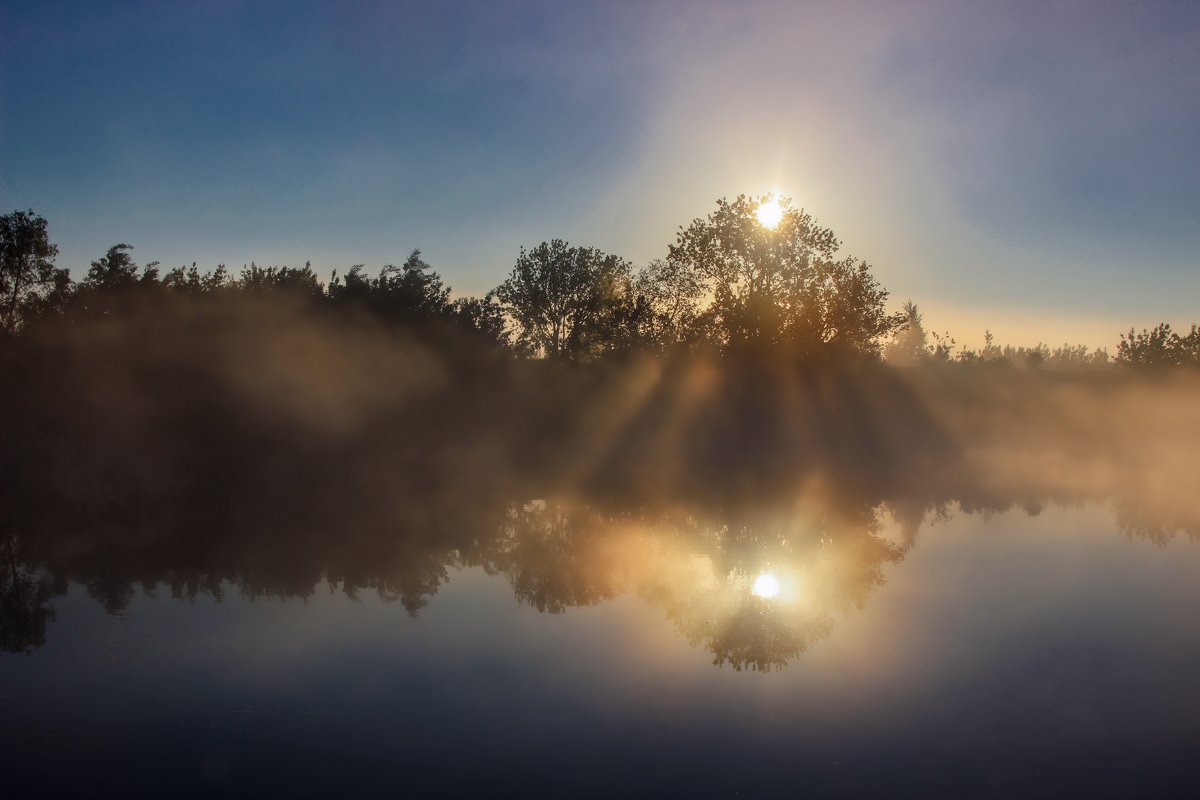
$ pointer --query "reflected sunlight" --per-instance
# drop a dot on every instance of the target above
(766, 586)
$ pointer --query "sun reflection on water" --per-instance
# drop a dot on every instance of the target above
(766, 586)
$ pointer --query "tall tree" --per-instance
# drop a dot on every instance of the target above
(27, 270)
(413, 289)
(114, 270)
(566, 301)
(774, 280)
(671, 295)
(911, 343)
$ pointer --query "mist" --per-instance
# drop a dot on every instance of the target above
(268, 444)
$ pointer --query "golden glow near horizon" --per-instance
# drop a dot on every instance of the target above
(766, 585)
(769, 213)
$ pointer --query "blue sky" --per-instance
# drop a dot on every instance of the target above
(1026, 167)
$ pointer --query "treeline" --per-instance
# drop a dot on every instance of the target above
(730, 283)
(914, 345)
(413, 295)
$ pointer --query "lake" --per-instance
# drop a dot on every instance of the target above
(554, 647)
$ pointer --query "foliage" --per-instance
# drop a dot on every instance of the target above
(568, 301)
(302, 281)
(28, 276)
(727, 282)
(116, 270)
(410, 292)
(112, 282)
(943, 348)
(670, 297)
(190, 281)
(909, 346)
(483, 317)
(1159, 347)
(780, 287)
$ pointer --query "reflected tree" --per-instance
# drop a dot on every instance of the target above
(25, 606)
(702, 573)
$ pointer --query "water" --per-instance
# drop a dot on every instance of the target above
(561, 649)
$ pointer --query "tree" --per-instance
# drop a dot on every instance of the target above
(671, 295)
(24, 603)
(845, 312)
(190, 281)
(116, 270)
(413, 289)
(300, 280)
(482, 317)
(112, 283)
(911, 343)
(410, 292)
(781, 286)
(567, 301)
(27, 271)
(1159, 347)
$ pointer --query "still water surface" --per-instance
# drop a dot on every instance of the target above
(856, 652)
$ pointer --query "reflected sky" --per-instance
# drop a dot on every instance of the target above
(215, 581)
(574, 651)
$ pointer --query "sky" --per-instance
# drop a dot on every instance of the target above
(1028, 168)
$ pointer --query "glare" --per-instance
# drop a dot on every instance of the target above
(766, 585)
(769, 213)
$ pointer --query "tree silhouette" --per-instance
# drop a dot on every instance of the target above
(27, 271)
(116, 270)
(299, 280)
(671, 294)
(24, 602)
(1159, 347)
(481, 317)
(910, 345)
(190, 281)
(567, 301)
(408, 293)
(782, 286)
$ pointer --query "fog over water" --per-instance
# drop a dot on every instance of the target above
(230, 532)
(266, 445)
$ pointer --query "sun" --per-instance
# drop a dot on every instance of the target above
(769, 213)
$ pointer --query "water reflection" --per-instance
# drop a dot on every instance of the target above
(766, 586)
(25, 606)
(753, 582)
(753, 587)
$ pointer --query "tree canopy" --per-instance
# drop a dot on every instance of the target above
(27, 271)
(781, 286)
(736, 280)
(566, 301)
(1159, 347)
